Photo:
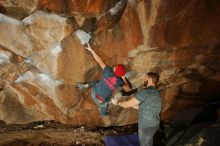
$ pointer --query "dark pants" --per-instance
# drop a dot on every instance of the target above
(146, 135)
(102, 106)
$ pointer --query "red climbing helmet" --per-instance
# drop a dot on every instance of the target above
(120, 70)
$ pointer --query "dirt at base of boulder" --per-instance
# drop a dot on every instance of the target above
(51, 133)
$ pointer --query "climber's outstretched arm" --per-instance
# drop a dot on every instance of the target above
(96, 57)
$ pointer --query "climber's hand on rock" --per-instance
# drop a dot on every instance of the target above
(88, 47)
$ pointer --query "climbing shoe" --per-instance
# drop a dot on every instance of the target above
(80, 86)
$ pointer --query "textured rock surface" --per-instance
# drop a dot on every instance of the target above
(18, 9)
(13, 37)
(41, 58)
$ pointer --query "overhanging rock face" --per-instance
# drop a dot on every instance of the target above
(41, 58)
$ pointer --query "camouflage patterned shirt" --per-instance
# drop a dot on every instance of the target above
(149, 107)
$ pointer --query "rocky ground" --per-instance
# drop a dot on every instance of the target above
(48, 133)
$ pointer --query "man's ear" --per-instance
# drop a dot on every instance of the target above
(145, 78)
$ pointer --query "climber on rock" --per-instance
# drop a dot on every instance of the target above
(112, 79)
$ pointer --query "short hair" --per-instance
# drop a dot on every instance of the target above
(154, 76)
